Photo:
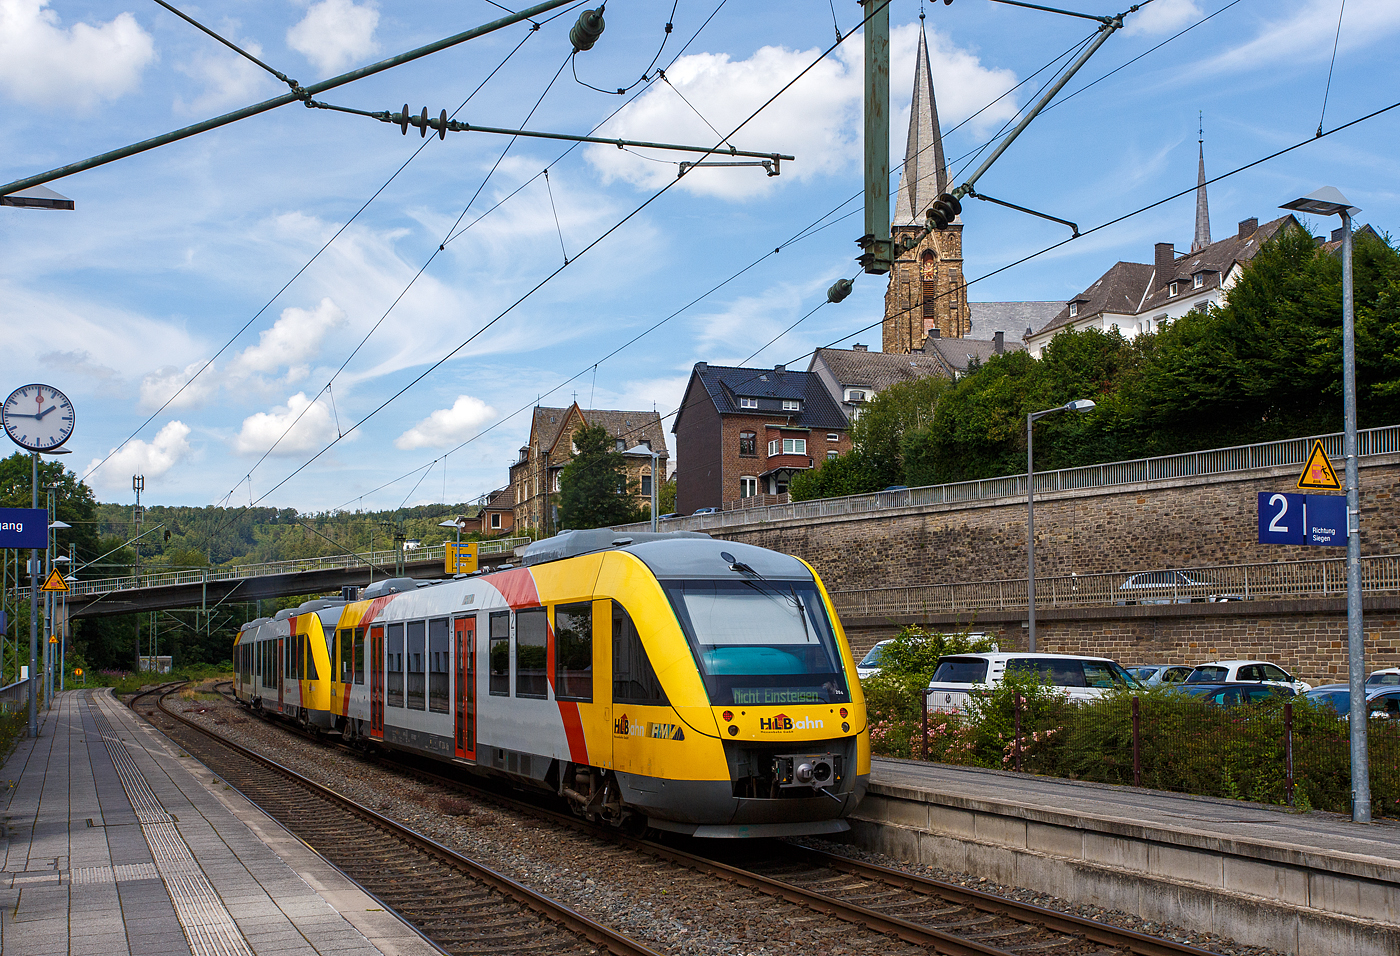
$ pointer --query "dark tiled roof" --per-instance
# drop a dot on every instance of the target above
(1012, 318)
(500, 500)
(875, 370)
(1214, 262)
(1121, 289)
(725, 385)
(958, 354)
(634, 426)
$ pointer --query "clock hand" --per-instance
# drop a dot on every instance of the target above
(46, 411)
(21, 415)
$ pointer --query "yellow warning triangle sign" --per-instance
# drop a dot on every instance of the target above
(54, 582)
(1317, 473)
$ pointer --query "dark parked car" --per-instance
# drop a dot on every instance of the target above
(1234, 694)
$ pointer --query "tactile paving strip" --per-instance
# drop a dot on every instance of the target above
(208, 925)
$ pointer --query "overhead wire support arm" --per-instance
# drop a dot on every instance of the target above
(303, 94)
(1030, 212)
(1036, 6)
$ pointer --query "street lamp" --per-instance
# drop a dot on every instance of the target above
(1078, 405)
(1328, 201)
(643, 449)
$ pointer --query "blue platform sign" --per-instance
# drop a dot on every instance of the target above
(1302, 519)
(24, 528)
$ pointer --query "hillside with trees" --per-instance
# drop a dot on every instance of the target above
(1266, 366)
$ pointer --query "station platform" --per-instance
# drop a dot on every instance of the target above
(116, 844)
(1312, 883)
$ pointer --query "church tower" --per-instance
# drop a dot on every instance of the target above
(1202, 238)
(926, 291)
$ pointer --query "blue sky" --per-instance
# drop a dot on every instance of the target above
(170, 252)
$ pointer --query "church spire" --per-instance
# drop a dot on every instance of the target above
(1202, 209)
(925, 173)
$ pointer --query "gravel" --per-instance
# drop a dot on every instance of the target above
(671, 908)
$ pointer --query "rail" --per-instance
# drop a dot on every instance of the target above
(1317, 577)
(332, 562)
(1215, 461)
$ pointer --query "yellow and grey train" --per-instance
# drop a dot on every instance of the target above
(693, 685)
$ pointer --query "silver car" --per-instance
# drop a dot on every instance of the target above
(1171, 587)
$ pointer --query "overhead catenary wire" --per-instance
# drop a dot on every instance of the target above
(1336, 40)
(646, 74)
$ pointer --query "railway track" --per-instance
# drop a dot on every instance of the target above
(460, 905)
(946, 918)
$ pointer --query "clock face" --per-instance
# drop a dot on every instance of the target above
(38, 417)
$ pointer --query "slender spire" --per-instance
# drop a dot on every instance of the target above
(925, 173)
(1202, 209)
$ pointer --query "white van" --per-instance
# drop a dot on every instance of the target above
(1081, 678)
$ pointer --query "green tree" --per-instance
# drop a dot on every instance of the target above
(594, 489)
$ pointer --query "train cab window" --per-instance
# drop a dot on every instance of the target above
(417, 676)
(531, 641)
(500, 654)
(393, 666)
(309, 669)
(634, 679)
(359, 655)
(573, 651)
(439, 660)
(344, 655)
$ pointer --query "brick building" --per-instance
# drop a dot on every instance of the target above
(744, 432)
(498, 513)
(534, 477)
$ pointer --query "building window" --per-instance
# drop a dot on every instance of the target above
(791, 405)
(832, 455)
(787, 446)
(748, 403)
(496, 520)
(1073, 309)
(855, 395)
(646, 483)
(748, 444)
(556, 480)
(621, 445)
(833, 436)
(1172, 289)
(1198, 280)
(748, 487)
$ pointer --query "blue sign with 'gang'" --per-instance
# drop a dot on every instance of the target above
(24, 528)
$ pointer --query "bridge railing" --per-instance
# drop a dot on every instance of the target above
(381, 559)
(1215, 461)
(1318, 577)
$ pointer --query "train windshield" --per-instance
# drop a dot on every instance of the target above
(760, 642)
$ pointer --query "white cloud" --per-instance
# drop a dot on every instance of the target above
(1306, 32)
(44, 64)
(165, 382)
(166, 450)
(295, 338)
(1161, 17)
(314, 427)
(228, 79)
(79, 363)
(817, 120)
(335, 33)
(447, 426)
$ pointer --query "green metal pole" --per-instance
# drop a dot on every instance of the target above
(878, 252)
(283, 100)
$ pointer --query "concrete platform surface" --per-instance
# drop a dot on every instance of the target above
(115, 844)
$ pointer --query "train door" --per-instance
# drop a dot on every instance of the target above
(376, 682)
(281, 657)
(465, 703)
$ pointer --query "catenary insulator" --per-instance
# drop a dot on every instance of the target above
(403, 120)
(586, 32)
(442, 125)
(422, 124)
(839, 290)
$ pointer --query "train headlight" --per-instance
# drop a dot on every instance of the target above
(845, 727)
(733, 731)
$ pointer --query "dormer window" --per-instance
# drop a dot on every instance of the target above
(748, 403)
(791, 405)
(1172, 289)
(855, 395)
(1073, 309)
(1198, 280)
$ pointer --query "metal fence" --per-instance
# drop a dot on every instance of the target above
(14, 697)
(1215, 461)
(1317, 577)
(333, 562)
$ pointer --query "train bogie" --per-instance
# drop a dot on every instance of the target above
(697, 685)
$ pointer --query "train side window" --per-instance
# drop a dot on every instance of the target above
(310, 669)
(393, 665)
(344, 655)
(500, 654)
(359, 655)
(573, 652)
(417, 676)
(634, 679)
(439, 663)
(531, 644)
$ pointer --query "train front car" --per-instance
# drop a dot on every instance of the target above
(735, 709)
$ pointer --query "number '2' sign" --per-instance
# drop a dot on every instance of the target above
(1302, 519)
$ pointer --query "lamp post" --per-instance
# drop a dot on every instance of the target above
(1078, 405)
(1328, 201)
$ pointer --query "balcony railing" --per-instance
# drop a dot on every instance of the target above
(381, 559)
(1215, 461)
(1319, 577)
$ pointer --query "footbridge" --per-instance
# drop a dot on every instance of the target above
(209, 587)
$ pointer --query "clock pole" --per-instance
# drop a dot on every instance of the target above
(34, 609)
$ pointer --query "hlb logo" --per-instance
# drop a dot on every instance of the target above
(784, 722)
